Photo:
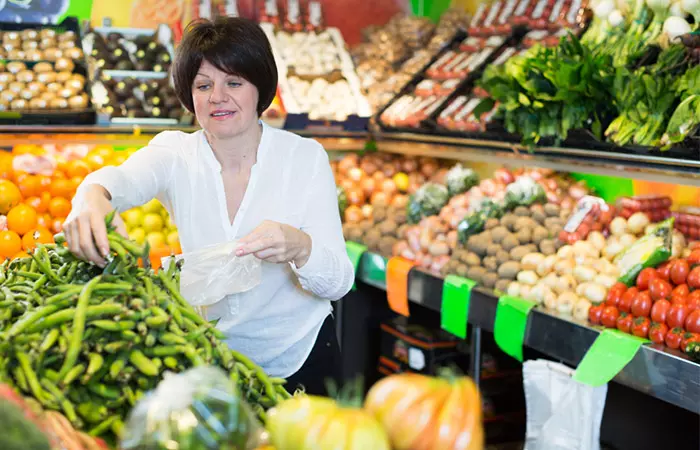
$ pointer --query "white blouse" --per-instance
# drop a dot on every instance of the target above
(277, 322)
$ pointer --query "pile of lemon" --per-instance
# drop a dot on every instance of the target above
(151, 223)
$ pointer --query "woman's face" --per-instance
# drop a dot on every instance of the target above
(225, 105)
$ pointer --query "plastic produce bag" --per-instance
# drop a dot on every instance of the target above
(199, 409)
(562, 414)
(213, 272)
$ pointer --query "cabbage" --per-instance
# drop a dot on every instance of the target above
(427, 201)
(460, 179)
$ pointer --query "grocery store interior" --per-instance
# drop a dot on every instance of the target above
(519, 188)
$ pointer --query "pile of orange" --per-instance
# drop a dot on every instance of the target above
(23, 228)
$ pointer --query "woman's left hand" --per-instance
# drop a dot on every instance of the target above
(277, 243)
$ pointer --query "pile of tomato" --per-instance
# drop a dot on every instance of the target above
(663, 305)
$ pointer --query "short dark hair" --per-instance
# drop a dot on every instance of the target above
(231, 44)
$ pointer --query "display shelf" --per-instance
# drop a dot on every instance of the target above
(656, 371)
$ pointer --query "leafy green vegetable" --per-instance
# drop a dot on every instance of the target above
(474, 223)
(524, 192)
(686, 117)
(427, 201)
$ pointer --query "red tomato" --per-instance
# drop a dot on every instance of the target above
(627, 298)
(692, 321)
(694, 278)
(609, 315)
(659, 311)
(640, 327)
(692, 301)
(660, 289)
(657, 332)
(679, 271)
(694, 257)
(624, 322)
(664, 271)
(645, 277)
(676, 315)
(594, 314)
(615, 293)
(641, 305)
(681, 289)
(688, 337)
(673, 338)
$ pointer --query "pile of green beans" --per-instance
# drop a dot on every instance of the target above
(89, 342)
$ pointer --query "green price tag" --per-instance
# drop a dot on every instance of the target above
(511, 323)
(355, 252)
(375, 268)
(608, 355)
(454, 312)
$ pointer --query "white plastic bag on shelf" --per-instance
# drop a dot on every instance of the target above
(211, 273)
(200, 408)
(562, 414)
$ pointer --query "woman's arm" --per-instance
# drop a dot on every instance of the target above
(327, 272)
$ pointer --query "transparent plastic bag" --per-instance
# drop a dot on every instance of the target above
(211, 273)
(197, 409)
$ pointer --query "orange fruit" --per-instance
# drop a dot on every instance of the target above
(36, 203)
(95, 161)
(10, 243)
(59, 207)
(59, 174)
(102, 150)
(44, 182)
(44, 221)
(29, 185)
(10, 196)
(119, 158)
(77, 168)
(21, 219)
(38, 235)
(75, 182)
(57, 224)
(20, 255)
(6, 171)
(61, 187)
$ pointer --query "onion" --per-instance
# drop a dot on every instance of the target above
(675, 27)
(389, 187)
(355, 196)
(368, 186)
(356, 174)
(347, 184)
(615, 18)
(368, 166)
(367, 211)
(399, 201)
(429, 167)
(353, 214)
(389, 170)
(378, 176)
(603, 9)
(692, 7)
(348, 162)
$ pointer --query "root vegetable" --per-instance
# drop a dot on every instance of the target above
(523, 223)
(539, 234)
(552, 210)
(613, 249)
(388, 227)
(532, 260)
(618, 226)
(607, 281)
(550, 301)
(472, 259)
(510, 242)
(490, 224)
(439, 263)
(502, 257)
(566, 302)
(564, 266)
(521, 211)
(514, 289)
(597, 240)
(355, 234)
(540, 292)
(524, 236)
(491, 263)
(551, 280)
(594, 292)
(581, 309)
(551, 222)
(525, 291)
(546, 265)
(499, 233)
(627, 239)
(489, 280)
(386, 245)
(519, 252)
(539, 216)
(528, 277)
(584, 273)
(565, 283)
(566, 252)
(477, 245)
(508, 221)
(401, 231)
(509, 270)
(439, 248)
(502, 285)
(475, 273)
(462, 270)
(548, 247)
(637, 222)
(493, 249)
(585, 248)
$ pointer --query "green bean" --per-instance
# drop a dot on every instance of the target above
(66, 294)
(30, 376)
(24, 323)
(115, 347)
(170, 362)
(104, 426)
(20, 379)
(92, 413)
(8, 295)
(72, 374)
(157, 322)
(143, 364)
(166, 350)
(72, 269)
(45, 267)
(171, 339)
(278, 381)
(66, 315)
(31, 275)
(111, 325)
(51, 375)
(282, 392)
(103, 391)
(95, 363)
(78, 327)
(49, 340)
(260, 374)
(64, 403)
(150, 340)
(117, 367)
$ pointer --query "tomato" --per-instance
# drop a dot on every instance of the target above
(694, 278)
(676, 315)
(673, 338)
(645, 277)
(609, 315)
(627, 298)
(688, 337)
(692, 301)
(694, 257)
(624, 322)
(659, 311)
(660, 289)
(679, 271)
(594, 314)
(615, 293)
(640, 327)
(664, 271)
(692, 321)
(657, 332)
(681, 289)
(390, 402)
(641, 305)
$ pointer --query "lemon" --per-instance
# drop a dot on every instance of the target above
(138, 235)
(170, 224)
(156, 239)
(153, 206)
(133, 217)
(401, 181)
(152, 222)
(173, 238)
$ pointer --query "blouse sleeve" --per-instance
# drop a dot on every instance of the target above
(145, 175)
(328, 273)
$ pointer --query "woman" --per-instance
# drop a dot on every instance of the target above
(239, 179)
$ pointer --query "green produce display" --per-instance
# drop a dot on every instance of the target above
(90, 342)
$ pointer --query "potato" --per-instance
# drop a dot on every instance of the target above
(565, 283)
(531, 261)
(539, 234)
(491, 223)
(386, 245)
(475, 273)
(564, 266)
(585, 248)
(581, 309)
(524, 236)
(401, 231)
(519, 252)
(522, 211)
(532, 248)
(502, 285)
(539, 216)
(540, 292)
(618, 226)
(502, 257)
(509, 270)
(551, 222)
(388, 228)
(499, 233)
(514, 289)
(637, 222)
(548, 247)
(627, 239)
(365, 225)
(566, 302)
(510, 242)
(525, 290)
(489, 280)
(355, 234)
(477, 245)
(508, 221)
(597, 240)
(490, 263)
(470, 258)
(551, 280)
(462, 270)
(607, 281)
(566, 252)
(528, 277)
(612, 249)
(584, 273)
(552, 210)
(439, 248)
(550, 301)
(594, 292)
(493, 249)
(379, 214)
(547, 265)
(522, 223)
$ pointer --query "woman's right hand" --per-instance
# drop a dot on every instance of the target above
(86, 233)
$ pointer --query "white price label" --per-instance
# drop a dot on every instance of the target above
(507, 11)
(522, 8)
(493, 12)
(416, 359)
(539, 9)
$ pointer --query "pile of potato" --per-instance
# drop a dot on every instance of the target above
(493, 258)
(383, 229)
